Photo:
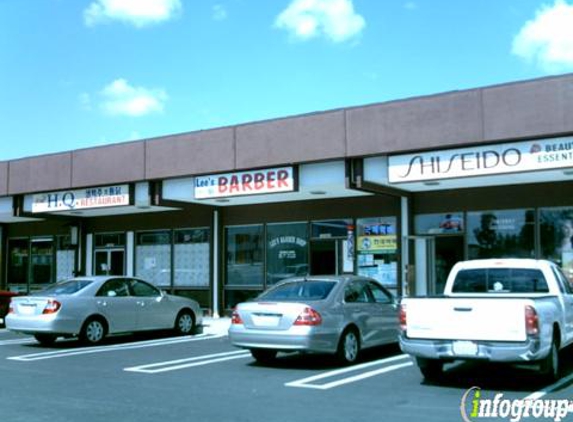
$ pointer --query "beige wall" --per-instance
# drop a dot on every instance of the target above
(531, 109)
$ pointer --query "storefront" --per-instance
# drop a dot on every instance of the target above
(395, 191)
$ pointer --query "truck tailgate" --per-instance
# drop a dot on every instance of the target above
(467, 319)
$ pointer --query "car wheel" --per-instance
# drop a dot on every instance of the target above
(264, 355)
(45, 339)
(549, 367)
(93, 331)
(185, 323)
(348, 347)
(431, 369)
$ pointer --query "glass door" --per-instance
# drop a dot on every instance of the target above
(421, 270)
(109, 262)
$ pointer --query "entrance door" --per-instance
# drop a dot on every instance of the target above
(109, 262)
(324, 257)
(421, 271)
(449, 250)
(431, 259)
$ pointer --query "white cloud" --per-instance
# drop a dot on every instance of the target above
(219, 13)
(334, 19)
(135, 12)
(547, 40)
(122, 99)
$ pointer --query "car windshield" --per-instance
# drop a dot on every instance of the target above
(64, 288)
(500, 280)
(299, 290)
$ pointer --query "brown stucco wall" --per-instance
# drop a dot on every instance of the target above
(531, 109)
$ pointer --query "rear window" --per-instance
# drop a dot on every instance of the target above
(500, 280)
(64, 288)
(299, 290)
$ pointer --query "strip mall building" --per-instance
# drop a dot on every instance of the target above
(397, 191)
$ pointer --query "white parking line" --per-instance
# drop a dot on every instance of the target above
(308, 382)
(550, 388)
(17, 341)
(173, 365)
(111, 348)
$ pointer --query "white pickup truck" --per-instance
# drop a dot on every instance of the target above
(497, 310)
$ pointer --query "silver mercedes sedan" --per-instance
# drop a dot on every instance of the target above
(92, 307)
(327, 314)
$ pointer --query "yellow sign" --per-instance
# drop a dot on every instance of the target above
(373, 244)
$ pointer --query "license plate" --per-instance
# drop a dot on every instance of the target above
(266, 320)
(26, 309)
(465, 348)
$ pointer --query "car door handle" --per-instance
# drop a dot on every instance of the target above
(462, 309)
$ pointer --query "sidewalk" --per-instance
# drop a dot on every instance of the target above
(216, 326)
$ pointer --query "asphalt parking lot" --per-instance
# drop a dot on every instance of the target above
(203, 378)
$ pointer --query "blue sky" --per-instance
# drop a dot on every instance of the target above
(81, 73)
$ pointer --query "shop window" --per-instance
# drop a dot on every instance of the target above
(153, 257)
(18, 262)
(41, 259)
(287, 251)
(445, 223)
(191, 258)
(378, 249)
(108, 240)
(65, 258)
(556, 237)
(245, 252)
(501, 234)
(330, 228)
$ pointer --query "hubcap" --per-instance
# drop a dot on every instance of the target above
(94, 332)
(185, 323)
(350, 347)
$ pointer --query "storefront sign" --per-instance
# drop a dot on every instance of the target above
(377, 244)
(109, 196)
(482, 161)
(245, 183)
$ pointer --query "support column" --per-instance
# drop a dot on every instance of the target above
(216, 260)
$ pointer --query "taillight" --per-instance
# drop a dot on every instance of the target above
(52, 307)
(402, 317)
(11, 308)
(531, 321)
(236, 318)
(308, 317)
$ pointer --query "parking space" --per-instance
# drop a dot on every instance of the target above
(203, 377)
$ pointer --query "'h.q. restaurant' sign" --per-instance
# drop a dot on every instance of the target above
(253, 182)
(108, 196)
(482, 160)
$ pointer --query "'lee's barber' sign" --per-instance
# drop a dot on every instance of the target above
(252, 182)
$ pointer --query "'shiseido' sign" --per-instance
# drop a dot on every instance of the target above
(482, 161)
(245, 183)
(109, 196)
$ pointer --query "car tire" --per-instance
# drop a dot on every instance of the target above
(431, 369)
(264, 355)
(348, 347)
(46, 339)
(185, 323)
(93, 331)
(549, 367)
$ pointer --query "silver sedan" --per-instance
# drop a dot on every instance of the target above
(327, 314)
(93, 307)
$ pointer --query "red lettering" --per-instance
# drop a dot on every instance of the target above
(282, 178)
(222, 184)
(247, 179)
(234, 184)
(270, 180)
(259, 181)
